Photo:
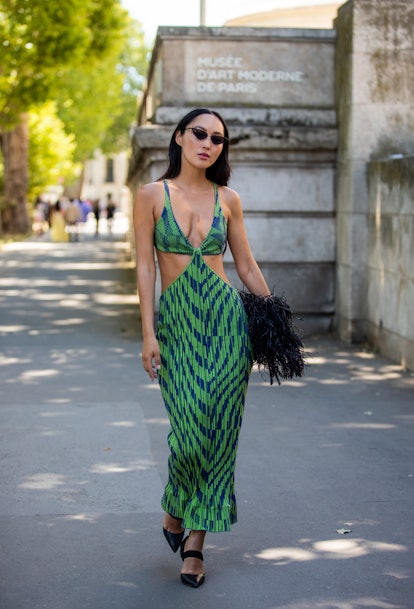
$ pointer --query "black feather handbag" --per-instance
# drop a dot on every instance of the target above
(277, 346)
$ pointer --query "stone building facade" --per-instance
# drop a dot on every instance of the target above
(308, 110)
(275, 89)
(105, 176)
(374, 203)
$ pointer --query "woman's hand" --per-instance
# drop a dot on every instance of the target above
(151, 359)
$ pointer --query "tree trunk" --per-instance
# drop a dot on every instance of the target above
(15, 149)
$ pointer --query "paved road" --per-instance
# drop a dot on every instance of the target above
(83, 453)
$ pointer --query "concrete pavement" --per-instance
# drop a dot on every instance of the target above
(83, 453)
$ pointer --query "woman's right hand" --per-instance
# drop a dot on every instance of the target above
(151, 358)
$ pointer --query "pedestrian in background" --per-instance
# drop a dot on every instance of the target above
(58, 230)
(96, 208)
(110, 212)
(73, 216)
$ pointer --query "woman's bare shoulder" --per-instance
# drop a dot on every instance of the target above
(229, 197)
(150, 198)
(149, 201)
(149, 192)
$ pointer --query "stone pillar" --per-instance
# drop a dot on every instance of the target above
(391, 255)
(375, 86)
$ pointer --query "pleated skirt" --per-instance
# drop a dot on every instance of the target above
(206, 360)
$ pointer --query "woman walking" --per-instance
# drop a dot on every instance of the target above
(200, 350)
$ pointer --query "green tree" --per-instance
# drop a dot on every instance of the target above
(42, 43)
(132, 65)
(99, 103)
(51, 150)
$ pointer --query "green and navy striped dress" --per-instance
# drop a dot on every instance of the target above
(206, 360)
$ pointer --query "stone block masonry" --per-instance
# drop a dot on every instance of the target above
(315, 117)
(275, 89)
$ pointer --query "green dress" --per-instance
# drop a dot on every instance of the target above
(206, 359)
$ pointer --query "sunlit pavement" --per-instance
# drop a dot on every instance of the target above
(83, 453)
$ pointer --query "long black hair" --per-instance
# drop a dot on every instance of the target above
(220, 171)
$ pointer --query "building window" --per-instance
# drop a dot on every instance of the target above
(109, 170)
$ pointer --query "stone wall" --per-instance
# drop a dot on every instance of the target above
(275, 89)
(390, 259)
(329, 220)
(375, 104)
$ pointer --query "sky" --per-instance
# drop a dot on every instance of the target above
(152, 13)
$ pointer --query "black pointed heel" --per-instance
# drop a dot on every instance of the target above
(189, 579)
(173, 539)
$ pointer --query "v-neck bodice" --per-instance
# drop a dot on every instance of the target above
(169, 237)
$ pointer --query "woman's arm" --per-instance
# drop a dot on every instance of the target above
(246, 266)
(143, 216)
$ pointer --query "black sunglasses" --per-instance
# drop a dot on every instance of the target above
(200, 134)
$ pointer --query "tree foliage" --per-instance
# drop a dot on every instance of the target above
(132, 65)
(98, 102)
(88, 56)
(42, 41)
(51, 150)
